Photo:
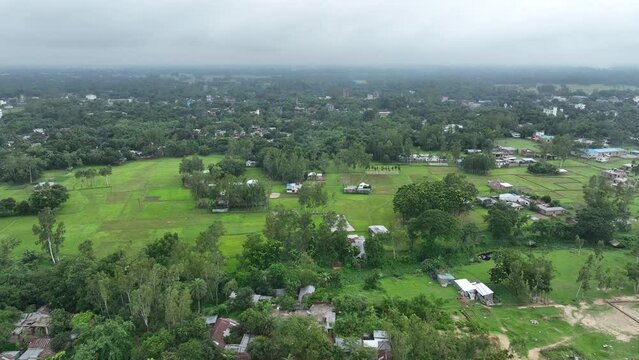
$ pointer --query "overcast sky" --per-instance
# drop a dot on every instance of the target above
(328, 32)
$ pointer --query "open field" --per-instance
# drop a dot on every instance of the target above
(585, 327)
(146, 199)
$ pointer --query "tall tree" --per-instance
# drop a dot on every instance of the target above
(21, 168)
(177, 305)
(50, 236)
(199, 289)
(208, 240)
(313, 195)
(141, 303)
(584, 275)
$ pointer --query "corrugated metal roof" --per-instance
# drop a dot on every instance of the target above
(464, 285)
(482, 289)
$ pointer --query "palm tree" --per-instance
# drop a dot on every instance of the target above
(199, 290)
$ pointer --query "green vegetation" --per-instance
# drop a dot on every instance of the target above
(136, 228)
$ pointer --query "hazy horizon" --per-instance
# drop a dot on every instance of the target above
(405, 33)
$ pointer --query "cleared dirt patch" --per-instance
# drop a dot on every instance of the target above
(151, 198)
(535, 354)
(500, 340)
(274, 195)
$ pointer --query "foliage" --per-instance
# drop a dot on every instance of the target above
(286, 165)
(21, 168)
(543, 168)
(374, 247)
(110, 339)
(453, 194)
(50, 236)
(163, 248)
(48, 197)
(606, 209)
(525, 277)
(503, 220)
(372, 281)
(191, 165)
(478, 164)
(313, 195)
(297, 336)
(232, 166)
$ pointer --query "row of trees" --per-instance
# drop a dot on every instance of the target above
(90, 174)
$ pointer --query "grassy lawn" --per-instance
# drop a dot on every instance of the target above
(146, 199)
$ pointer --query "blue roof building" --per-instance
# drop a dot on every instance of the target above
(606, 152)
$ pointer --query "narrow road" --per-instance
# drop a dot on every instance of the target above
(534, 354)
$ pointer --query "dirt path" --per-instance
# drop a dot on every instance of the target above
(620, 320)
(535, 354)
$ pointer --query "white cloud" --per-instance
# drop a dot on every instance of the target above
(412, 32)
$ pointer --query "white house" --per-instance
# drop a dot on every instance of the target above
(90, 97)
(512, 198)
(551, 111)
(465, 288)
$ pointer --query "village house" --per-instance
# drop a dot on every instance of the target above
(550, 111)
(613, 174)
(324, 314)
(293, 188)
(39, 348)
(358, 241)
(499, 185)
(514, 199)
(377, 229)
(315, 176)
(507, 150)
(445, 279)
(550, 210)
(627, 167)
(251, 163)
(305, 292)
(341, 220)
(526, 153)
(33, 324)
(540, 136)
(452, 128)
(9, 355)
(379, 341)
(475, 291)
(605, 152)
(222, 329)
(362, 188)
(485, 201)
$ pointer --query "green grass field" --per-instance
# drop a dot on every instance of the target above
(146, 199)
